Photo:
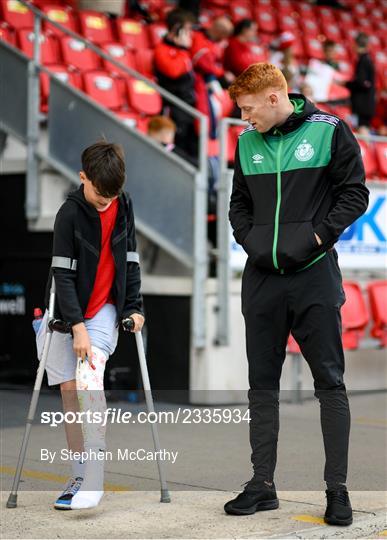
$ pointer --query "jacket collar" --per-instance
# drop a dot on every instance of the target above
(302, 109)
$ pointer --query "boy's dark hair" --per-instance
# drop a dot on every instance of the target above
(242, 25)
(177, 18)
(328, 44)
(103, 164)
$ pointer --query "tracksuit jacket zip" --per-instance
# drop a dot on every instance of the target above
(304, 178)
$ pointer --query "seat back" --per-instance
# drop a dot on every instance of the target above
(132, 33)
(377, 293)
(95, 26)
(143, 98)
(16, 14)
(103, 88)
(76, 53)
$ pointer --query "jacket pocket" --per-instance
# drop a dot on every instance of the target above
(258, 245)
(296, 243)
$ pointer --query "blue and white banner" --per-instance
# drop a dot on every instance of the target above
(362, 246)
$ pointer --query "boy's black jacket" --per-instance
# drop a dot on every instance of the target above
(77, 236)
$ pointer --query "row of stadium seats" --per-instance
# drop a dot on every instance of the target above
(306, 22)
(120, 94)
(355, 315)
(374, 154)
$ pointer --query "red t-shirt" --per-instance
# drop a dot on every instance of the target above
(104, 278)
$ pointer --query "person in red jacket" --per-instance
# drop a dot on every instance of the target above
(174, 71)
(243, 49)
(207, 62)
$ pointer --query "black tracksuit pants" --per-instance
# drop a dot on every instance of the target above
(307, 303)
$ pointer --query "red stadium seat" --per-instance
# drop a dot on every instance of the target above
(95, 26)
(144, 62)
(342, 53)
(310, 27)
(132, 33)
(156, 32)
(369, 158)
(103, 88)
(16, 14)
(143, 98)
(129, 118)
(346, 70)
(346, 20)
(326, 15)
(7, 33)
(61, 72)
(49, 48)
(284, 7)
(288, 23)
(332, 31)
(381, 158)
(313, 48)
(76, 53)
(377, 293)
(337, 92)
(266, 20)
(240, 10)
(354, 315)
(62, 15)
(122, 54)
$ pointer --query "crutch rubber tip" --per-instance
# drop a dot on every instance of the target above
(12, 501)
(165, 498)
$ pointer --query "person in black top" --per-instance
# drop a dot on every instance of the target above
(362, 86)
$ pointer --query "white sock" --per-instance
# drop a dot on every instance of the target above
(78, 468)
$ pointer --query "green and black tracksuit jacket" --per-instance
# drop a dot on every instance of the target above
(303, 177)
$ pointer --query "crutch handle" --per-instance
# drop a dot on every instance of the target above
(128, 324)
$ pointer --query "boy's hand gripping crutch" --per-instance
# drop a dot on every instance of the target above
(128, 325)
(12, 499)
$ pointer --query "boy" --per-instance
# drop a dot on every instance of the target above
(97, 278)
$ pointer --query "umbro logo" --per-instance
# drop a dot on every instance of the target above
(257, 158)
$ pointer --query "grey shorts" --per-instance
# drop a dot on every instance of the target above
(61, 362)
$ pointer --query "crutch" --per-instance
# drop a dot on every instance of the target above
(12, 499)
(128, 325)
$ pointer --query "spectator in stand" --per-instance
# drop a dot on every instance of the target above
(282, 56)
(163, 130)
(329, 49)
(210, 74)
(174, 71)
(242, 49)
(362, 87)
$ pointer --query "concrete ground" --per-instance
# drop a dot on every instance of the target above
(212, 463)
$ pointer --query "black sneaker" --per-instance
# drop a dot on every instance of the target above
(339, 510)
(252, 500)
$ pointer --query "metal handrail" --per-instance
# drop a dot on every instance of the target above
(198, 324)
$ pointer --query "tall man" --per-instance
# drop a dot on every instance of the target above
(298, 183)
